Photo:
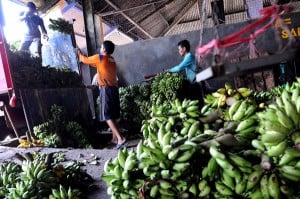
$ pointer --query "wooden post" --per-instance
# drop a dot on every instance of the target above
(101, 28)
(89, 25)
(10, 121)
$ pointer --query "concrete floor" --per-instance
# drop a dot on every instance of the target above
(82, 155)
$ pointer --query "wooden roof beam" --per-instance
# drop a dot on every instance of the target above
(179, 17)
(129, 19)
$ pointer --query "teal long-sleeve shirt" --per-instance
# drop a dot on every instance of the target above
(188, 63)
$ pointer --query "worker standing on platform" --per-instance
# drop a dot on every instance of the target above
(32, 33)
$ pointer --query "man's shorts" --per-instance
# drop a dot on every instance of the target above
(109, 106)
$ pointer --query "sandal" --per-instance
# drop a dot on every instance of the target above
(121, 145)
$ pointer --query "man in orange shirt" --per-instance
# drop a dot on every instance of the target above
(109, 107)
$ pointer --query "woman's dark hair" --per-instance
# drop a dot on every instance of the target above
(185, 43)
(109, 47)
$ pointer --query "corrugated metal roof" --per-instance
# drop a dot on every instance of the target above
(144, 19)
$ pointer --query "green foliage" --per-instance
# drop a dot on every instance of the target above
(28, 72)
(58, 132)
(14, 46)
(61, 25)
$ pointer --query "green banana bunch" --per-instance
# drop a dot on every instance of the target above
(9, 174)
(34, 170)
(290, 172)
(289, 155)
(10, 167)
(63, 193)
(24, 190)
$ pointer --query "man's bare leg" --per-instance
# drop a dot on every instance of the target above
(116, 135)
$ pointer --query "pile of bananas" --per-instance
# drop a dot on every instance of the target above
(62, 193)
(38, 177)
(225, 96)
(136, 100)
(28, 72)
(58, 131)
(279, 124)
(167, 87)
(134, 103)
(241, 150)
(24, 143)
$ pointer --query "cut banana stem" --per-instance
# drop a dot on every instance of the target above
(265, 162)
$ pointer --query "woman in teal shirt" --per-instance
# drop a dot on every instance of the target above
(188, 63)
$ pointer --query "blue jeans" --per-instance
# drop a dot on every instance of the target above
(36, 46)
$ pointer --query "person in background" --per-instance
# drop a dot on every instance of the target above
(194, 90)
(109, 107)
(188, 63)
(34, 25)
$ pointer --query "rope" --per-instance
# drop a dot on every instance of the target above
(272, 12)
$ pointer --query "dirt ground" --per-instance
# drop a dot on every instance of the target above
(85, 156)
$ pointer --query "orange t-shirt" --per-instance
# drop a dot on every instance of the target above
(106, 68)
